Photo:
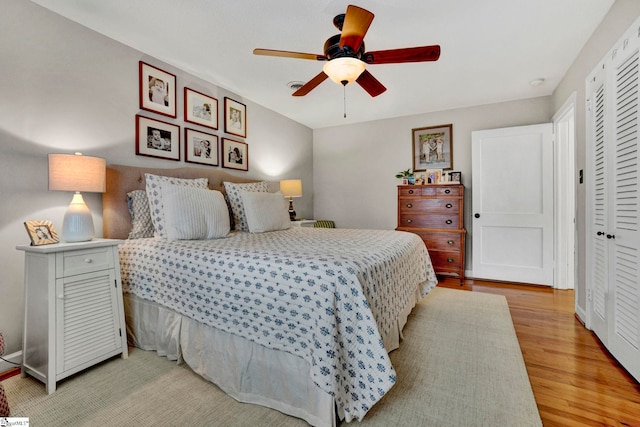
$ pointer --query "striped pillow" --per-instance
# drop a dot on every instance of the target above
(194, 213)
(154, 193)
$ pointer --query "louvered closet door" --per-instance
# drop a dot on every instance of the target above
(624, 302)
(87, 321)
(599, 253)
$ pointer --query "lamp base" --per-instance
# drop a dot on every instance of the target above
(292, 212)
(77, 225)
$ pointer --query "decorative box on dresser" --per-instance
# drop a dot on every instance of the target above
(73, 313)
(435, 212)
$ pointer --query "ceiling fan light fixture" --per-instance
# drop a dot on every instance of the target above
(344, 69)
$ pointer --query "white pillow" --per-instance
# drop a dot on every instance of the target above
(194, 213)
(154, 194)
(265, 211)
(235, 200)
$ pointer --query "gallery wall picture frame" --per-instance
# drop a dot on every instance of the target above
(433, 147)
(235, 117)
(157, 90)
(200, 147)
(200, 109)
(155, 138)
(235, 154)
(41, 233)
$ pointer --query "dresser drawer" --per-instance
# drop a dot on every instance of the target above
(441, 241)
(430, 190)
(442, 205)
(416, 220)
(445, 261)
(84, 261)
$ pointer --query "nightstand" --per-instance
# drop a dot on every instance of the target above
(73, 313)
(303, 223)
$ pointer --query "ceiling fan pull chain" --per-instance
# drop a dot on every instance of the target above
(344, 94)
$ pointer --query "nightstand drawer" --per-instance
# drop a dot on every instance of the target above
(85, 261)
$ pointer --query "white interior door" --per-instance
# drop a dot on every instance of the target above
(512, 204)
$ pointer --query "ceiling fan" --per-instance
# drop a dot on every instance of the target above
(346, 56)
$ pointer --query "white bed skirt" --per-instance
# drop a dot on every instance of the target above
(244, 370)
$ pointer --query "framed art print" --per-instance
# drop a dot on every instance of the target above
(235, 118)
(157, 90)
(155, 138)
(235, 154)
(432, 148)
(41, 232)
(200, 147)
(200, 109)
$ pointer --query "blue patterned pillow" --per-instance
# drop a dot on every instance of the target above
(234, 198)
(154, 194)
(138, 203)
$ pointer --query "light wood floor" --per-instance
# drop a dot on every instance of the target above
(575, 381)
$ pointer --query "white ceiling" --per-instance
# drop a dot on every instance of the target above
(491, 49)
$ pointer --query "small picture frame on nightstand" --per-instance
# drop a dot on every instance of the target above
(41, 233)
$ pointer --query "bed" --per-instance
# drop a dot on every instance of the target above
(297, 319)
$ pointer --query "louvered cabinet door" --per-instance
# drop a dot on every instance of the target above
(88, 326)
(624, 332)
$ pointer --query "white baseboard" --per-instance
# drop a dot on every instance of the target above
(13, 357)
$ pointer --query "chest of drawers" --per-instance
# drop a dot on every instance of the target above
(435, 212)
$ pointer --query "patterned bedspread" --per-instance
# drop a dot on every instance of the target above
(326, 295)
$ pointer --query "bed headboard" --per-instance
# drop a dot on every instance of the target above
(116, 221)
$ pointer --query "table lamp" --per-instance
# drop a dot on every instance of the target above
(291, 188)
(75, 172)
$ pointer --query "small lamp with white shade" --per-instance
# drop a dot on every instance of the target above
(75, 172)
(291, 188)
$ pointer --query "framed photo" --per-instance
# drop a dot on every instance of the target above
(455, 177)
(433, 176)
(157, 90)
(235, 117)
(155, 138)
(433, 148)
(200, 147)
(41, 232)
(200, 109)
(235, 154)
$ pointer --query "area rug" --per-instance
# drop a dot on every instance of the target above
(459, 365)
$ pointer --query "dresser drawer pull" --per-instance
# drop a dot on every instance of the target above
(449, 260)
(450, 242)
(409, 221)
(409, 205)
(410, 191)
(447, 191)
(449, 205)
(448, 221)
(88, 260)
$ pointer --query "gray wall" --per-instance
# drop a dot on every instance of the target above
(620, 17)
(354, 166)
(65, 88)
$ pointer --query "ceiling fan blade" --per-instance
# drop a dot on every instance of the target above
(287, 54)
(370, 83)
(355, 26)
(311, 84)
(409, 54)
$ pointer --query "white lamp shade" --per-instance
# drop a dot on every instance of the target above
(344, 69)
(75, 172)
(291, 187)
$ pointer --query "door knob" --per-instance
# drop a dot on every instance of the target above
(477, 215)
